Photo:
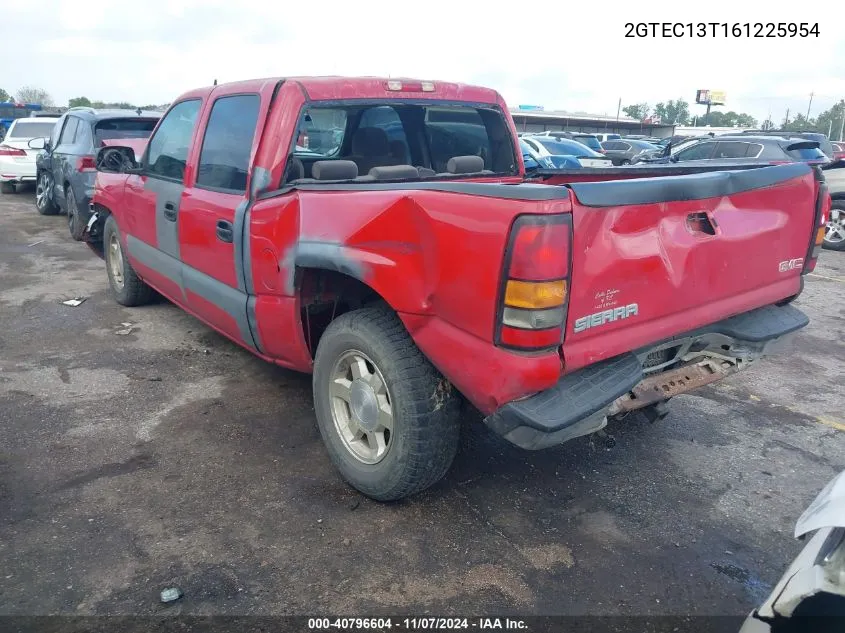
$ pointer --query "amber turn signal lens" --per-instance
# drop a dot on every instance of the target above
(535, 294)
(820, 236)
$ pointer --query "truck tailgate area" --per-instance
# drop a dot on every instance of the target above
(656, 257)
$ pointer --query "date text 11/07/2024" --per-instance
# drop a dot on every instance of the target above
(722, 29)
(415, 624)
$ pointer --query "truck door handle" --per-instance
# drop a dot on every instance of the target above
(701, 223)
(170, 211)
(224, 231)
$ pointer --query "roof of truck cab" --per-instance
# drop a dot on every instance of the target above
(331, 88)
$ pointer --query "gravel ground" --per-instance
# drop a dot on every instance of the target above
(142, 456)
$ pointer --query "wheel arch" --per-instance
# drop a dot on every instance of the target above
(323, 294)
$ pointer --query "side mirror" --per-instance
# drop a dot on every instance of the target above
(37, 143)
(674, 158)
(116, 159)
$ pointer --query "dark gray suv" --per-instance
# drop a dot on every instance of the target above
(65, 170)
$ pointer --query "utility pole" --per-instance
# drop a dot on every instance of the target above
(786, 120)
(618, 110)
(842, 122)
(810, 105)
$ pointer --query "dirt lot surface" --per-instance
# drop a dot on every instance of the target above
(140, 450)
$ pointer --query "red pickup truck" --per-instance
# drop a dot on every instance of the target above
(383, 234)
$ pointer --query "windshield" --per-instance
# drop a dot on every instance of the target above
(31, 129)
(590, 141)
(124, 128)
(562, 146)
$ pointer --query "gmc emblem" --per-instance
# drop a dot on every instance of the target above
(791, 264)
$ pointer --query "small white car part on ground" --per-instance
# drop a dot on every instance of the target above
(818, 572)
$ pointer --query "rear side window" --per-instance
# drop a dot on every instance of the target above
(123, 128)
(69, 131)
(168, 148)
(732, 149)
(697, 152)
(612, 145)
(224, 159)
(30, 129)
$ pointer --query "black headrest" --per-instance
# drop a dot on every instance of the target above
(465, 165)
(334, 170)
(394, 172)
(370, 141)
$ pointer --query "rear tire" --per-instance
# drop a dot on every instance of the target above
(126, 286)
(8, 187)
(834, 235)
(368, 373)
(74, 222)
(625, 162)
(44, 195)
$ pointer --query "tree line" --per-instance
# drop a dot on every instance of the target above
(676, 112)
(31, 94)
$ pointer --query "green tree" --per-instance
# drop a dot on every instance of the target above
(637, 111)
(727, 119)
(673, 112)
(800, 122)
(5, 96)
(78, 102)
(830, 121)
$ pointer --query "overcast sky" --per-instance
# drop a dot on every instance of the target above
(562, 55)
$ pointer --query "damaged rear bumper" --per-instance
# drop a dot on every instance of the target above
(581, 402)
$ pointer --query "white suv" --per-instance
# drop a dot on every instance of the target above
(17, 160)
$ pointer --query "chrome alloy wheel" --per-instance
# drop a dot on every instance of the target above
(361, 407)
(43, 191)
(834, 231)
(115, 257)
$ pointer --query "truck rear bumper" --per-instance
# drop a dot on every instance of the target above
(580, 402)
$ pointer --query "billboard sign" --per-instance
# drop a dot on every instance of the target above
(531, 107)
(710, 97)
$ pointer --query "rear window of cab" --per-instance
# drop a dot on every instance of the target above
(424, 135)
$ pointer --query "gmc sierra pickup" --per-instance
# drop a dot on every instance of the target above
(383, 234)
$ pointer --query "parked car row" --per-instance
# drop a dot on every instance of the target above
(57, 155)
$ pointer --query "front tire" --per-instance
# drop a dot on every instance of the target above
(834, 234)
(8, 187)
(126, 286)
(387, 417)
(44, 195)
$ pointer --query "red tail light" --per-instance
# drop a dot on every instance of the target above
(85, 163)
(823, 205)
(5, 150)
(535, 283)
